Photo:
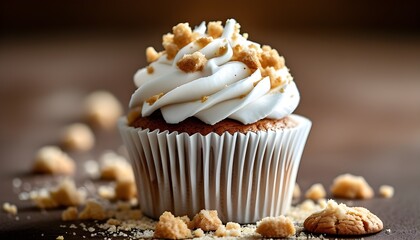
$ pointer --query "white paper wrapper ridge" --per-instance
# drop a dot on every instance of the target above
(245, 177)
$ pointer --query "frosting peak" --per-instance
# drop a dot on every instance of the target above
(214, 75)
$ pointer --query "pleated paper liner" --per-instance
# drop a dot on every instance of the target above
(245, 177)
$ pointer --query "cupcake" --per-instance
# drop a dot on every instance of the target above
(210, 126)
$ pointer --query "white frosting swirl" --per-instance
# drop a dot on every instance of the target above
(230, 88)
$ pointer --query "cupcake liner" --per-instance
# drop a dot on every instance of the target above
(245, 177)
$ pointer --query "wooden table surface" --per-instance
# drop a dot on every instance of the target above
(362, 92)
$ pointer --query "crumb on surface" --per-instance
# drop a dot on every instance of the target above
(198, 233)
(171, 227)
(315, 192)
(386, 191)
(52, 160)
(351, 187)
(192, 62)
(207, 220)
(64, 194)
(125, 189)
(93, 210)
(102, 109)
(78, 136)
(106, 192)
(60, 237)
(115, 167)
(338, 219)
(276, 227)
(231, 229)
(10, 208)
(70, 214)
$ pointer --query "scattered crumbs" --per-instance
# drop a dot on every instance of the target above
(276, 227)
(77, 136)
(386, 191)
(207, 220)
(388, 231)
(69, 214)
(315, 192)
(52, 160)
(171, 227)
(102, 109)
(115, 167)
(65, 194)
(93, 210)
(351, 187)
(10, 208)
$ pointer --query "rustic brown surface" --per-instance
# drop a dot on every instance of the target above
(362, 93)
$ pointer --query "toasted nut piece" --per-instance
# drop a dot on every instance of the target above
(152, 55)
(207, 220)
(78, 136)
(171, 227)
(351, 187)
(192, 62)
(338, 219)
(276, 227)
(51, 160)
(315, 192)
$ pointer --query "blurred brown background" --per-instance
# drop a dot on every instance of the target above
(356, 63)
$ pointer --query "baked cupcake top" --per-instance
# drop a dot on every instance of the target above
(214, 73)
